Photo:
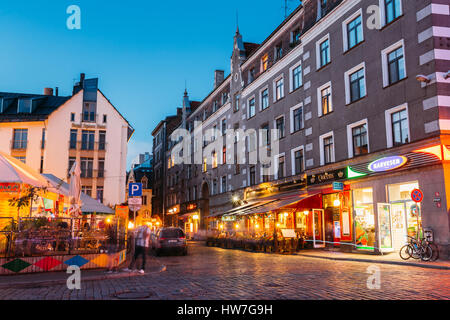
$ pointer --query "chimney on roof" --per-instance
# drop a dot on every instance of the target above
(82, 77)
(56, 92)
(48, 91)
(219, 76)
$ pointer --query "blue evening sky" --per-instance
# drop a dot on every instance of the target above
(141, 51)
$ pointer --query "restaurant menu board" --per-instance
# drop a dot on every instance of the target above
(288, 233)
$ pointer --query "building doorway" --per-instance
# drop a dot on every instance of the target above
(318, 228)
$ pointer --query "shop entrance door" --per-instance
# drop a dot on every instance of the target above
(384, 227)
(318, 228)
(398, 225)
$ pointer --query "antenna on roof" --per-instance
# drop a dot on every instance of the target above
(237, 21)
(287, 8)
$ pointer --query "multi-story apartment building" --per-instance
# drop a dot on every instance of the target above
(359, 93)
(168, 188)
(49, 133)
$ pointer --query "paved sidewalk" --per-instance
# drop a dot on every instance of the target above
(390, 258)
(53, 278)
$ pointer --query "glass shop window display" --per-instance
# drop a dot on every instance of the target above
(364, 218)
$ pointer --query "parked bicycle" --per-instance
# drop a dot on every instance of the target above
(417, 249)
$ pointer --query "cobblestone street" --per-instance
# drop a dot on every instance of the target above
(214, 273)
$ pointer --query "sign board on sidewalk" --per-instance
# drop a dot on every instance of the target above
(288, 233)
(135, 190)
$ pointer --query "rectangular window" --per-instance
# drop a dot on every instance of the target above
(41, 168)
(87, 167)
(279, 89)
(281, 167)
(224, 184)
(87, 191)
(100, 196)
(297, 116)
(325, 53)
(265, 133)
(396, 65)
(393, 10)
(400, 129)
(43, 139)
(297, 79)
(105, 118)
(357, 85)
(71, 162)
(205, 165)
(87, 140)
(20, 139)
(224, 126)
(264, 99)
(299, 162)
(21, 159)
(355, 32)
(278, 52)
(328, 149)
(224, 155)
(359, 138)
(72, 117)
(265, 62)
(326, 101)
(102, 140)
(101, 168)
(214, 159)
(296, 34)
(252, 175)
(251, 108)
(89, 111)
(280, 127)
(236, 102)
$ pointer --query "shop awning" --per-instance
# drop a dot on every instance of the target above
(89, 205)
(239, 209)
(279, 203)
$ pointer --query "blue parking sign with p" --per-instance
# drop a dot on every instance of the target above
(135, 190)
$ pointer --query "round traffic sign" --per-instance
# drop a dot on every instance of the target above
(417, 195)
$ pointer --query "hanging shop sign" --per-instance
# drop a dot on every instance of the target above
(327, 176)
(9, 187)
(191, 206)
(387, 164)
(229, 218)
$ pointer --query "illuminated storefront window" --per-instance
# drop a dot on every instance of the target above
(406, 217)
(364, 218)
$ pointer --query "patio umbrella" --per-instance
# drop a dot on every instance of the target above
(75, 189)
(15, 171)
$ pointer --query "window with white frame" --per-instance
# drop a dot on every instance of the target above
(296, 116)
(397, 126)
(358, 138)
(224, 126)
(251, 107)
(324, 99)
(280, 166)
(295, 77)
(393, 63)
(353, 30)
(223, 185)
(326, 142)
(298, 160)
(355, 83)
(390, 10)
(278, 89)
(264, 94)
(323, 55)
(279, 125)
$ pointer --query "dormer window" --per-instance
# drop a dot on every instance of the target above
(215, 106)
(24, 106)
(265, 62)
(251, 75)
(278, 52)
(296, 36)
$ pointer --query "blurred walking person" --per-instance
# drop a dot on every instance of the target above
(142, 241)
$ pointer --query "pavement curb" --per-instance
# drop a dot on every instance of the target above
(32, 284)
(378, 261)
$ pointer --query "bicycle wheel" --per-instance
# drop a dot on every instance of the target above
(405, 252)
(435, 250)
(426, 253)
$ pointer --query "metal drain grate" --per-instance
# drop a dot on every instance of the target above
(134, 295)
